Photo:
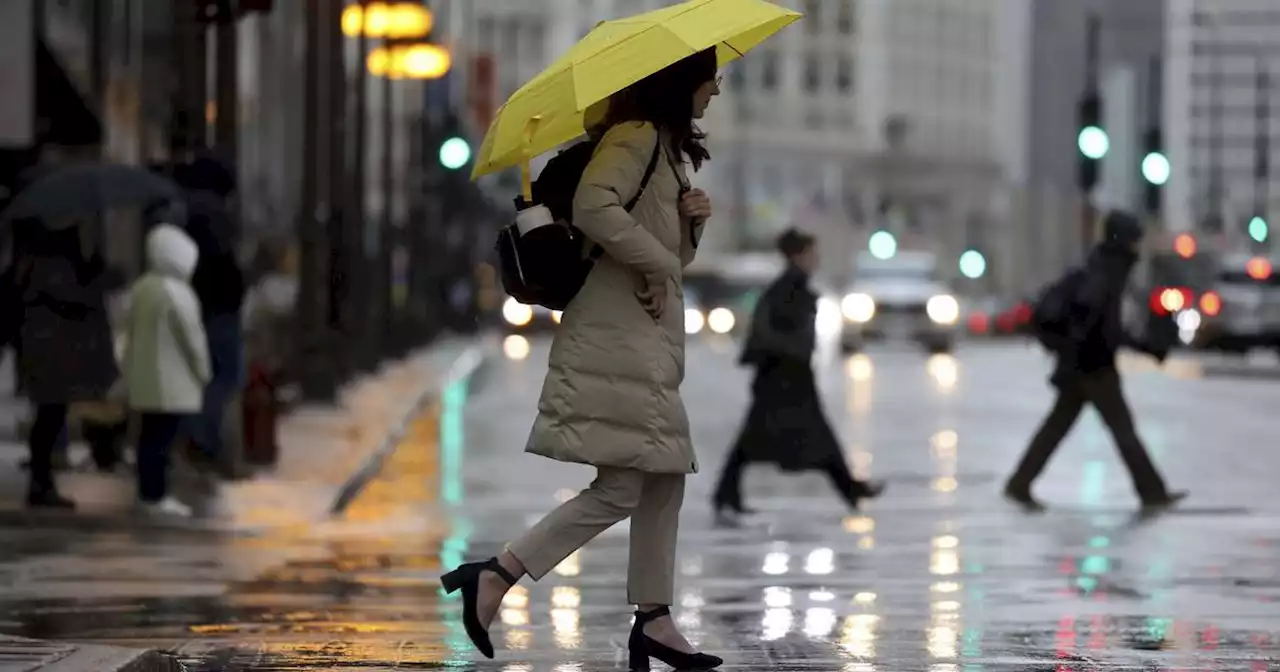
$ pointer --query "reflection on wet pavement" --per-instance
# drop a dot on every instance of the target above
(939, 576)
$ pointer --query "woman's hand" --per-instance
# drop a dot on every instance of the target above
(695, 205)
(654, 299)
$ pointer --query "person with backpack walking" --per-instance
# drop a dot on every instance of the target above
(611, 398)
(1078, 318)
(166, 362)
(786, 425)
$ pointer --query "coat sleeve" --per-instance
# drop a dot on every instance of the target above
(610, 180)
(691, 231)
(779, 326)
(188, 329)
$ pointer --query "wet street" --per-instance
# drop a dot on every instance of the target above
(940, 575)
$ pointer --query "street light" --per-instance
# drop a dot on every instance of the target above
(397, 21)
(416, 61)
(882, 245)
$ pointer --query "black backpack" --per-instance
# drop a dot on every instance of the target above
(545, 266)
(1054, 310)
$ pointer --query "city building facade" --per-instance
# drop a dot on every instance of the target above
(1214, 126)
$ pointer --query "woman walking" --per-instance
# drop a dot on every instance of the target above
(786, 425)
(611, 397)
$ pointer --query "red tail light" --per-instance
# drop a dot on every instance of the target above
(1210, 304)
(1258, 268)
(979, 323)
(1167, 300)
(1022, 313)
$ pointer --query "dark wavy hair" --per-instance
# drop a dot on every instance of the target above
(665, 99)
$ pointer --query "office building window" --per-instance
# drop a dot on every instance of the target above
(769, 67)
(844, 74)
(812, 16)
(812, 73)
(845, 20)
(737, 75)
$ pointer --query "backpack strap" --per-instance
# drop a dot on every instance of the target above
(596, 250)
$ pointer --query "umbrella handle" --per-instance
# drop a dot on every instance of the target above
(526, 173)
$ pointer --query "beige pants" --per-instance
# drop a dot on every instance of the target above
(652, 501)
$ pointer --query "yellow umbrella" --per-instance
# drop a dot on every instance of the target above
(548, 110)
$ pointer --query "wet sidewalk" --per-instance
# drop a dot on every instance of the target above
(325, 452)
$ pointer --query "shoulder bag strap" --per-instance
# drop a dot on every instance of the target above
(596, 250)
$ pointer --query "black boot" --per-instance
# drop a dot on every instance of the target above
(47, 497)
(642, 647)
(467, 579)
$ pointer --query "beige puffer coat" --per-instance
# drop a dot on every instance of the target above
(612, 394)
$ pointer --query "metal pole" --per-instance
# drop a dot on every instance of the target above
(1213, 220)
(383, 271)
(363, 311)
(1088, 214)
(311, 311)
(1262, 141)
(340, 265)
(227, 92)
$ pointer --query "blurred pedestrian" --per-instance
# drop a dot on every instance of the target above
(612, 395)
(786, 425)
(1085, 342)
(64, 343)
(166, 361)
(219, 283)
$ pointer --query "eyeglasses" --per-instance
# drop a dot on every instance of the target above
(719, 80)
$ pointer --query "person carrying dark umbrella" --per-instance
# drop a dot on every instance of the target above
(786, 425)
(64, 343)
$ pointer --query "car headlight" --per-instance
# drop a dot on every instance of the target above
(693, 320)
(858, 307)
(516, 313)
(556, 315)
(721, 320)
(943, 309)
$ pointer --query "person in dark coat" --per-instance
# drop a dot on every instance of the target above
(220, 285)
(64, 344)
(1085, 371)
(786, 425)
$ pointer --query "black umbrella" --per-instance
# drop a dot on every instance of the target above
(63, 194)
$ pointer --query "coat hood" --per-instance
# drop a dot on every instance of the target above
(171, 252)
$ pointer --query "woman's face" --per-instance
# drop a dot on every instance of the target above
(702, 97)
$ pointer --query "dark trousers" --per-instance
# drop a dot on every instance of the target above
(1102, 390)
(157, 434)
(226, 360)
(46, 432)
(729, 488)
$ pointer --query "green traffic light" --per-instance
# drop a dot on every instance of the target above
(1093, 142)
(1258, 229)
(972, 264)
(1155, 168)
(455, 153)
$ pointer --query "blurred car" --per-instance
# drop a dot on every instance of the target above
(899, 299)
(1237, 309)
(519, 318)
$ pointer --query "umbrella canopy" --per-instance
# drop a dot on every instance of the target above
(60, 196)
(548, 111)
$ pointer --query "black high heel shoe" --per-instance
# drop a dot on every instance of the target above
(642, 647)
(467, 579)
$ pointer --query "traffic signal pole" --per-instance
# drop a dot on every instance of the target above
(1091, 116)
(1262, 150)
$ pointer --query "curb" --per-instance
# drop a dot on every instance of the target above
(19, 654)
(464, 365)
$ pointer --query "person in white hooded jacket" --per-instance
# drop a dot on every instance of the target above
(166, 365)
